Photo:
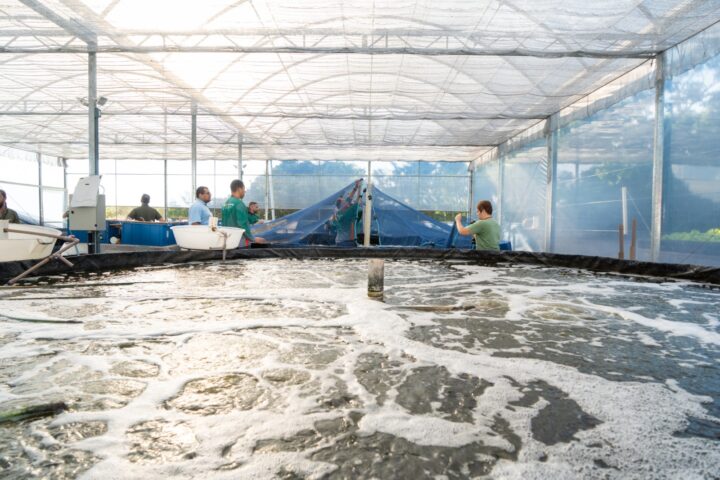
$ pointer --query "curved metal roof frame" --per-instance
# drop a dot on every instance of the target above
(550, 59)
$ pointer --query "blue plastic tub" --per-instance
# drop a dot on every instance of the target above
(151, 234)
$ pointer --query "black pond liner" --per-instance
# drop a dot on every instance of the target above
(115, 261)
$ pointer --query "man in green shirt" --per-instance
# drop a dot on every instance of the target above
(486, 230)
(145, 213)
(6, 213)
(235, 213)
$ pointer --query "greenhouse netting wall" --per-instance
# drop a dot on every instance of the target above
(24, 176)
(568, 184)
(438, 188)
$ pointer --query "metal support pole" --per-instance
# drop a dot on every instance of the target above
(367, 216)
(41, 213)
(66, 221)
(470, 190)
(658, 176)
(623, 202)
(267, 189)
(271, 188)
(193, 153)
(501, 181)
(93, 137)
(240, 156)
(165, 167)
(551, 135)
(93, 114)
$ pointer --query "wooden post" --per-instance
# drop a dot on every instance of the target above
(633, 239)
(621, 240)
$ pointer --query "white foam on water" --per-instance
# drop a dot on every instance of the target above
(682, 329)
(427, 430)
(638, 418)
(646, 339)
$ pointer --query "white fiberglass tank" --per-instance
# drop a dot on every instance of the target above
(205, 237)
(26, 246)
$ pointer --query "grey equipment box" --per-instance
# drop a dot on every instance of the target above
(87, 206)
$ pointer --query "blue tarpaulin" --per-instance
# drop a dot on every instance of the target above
(337, 220)
(397, 224)
(331, 221)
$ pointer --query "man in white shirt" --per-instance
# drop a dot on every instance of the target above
(199, 213)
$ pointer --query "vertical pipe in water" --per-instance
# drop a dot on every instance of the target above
(376, 277)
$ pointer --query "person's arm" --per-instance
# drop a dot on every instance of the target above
(133, 214)
(158, 216)
(460, 228)
(241, 214)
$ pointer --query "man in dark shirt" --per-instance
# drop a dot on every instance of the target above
(145, 213)
(6, 213)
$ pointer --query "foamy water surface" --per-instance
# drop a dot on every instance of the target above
(285, 369)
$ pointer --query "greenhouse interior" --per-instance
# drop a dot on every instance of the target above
(469, 239)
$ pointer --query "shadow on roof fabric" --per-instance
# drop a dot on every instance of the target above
(335, 221)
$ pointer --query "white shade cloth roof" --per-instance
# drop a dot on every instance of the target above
(315, 80)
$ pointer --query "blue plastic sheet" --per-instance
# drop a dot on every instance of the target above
(337, 221)
(332, 221)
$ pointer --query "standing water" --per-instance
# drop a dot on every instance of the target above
(285, 369)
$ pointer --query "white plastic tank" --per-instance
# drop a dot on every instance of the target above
(26, 246)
